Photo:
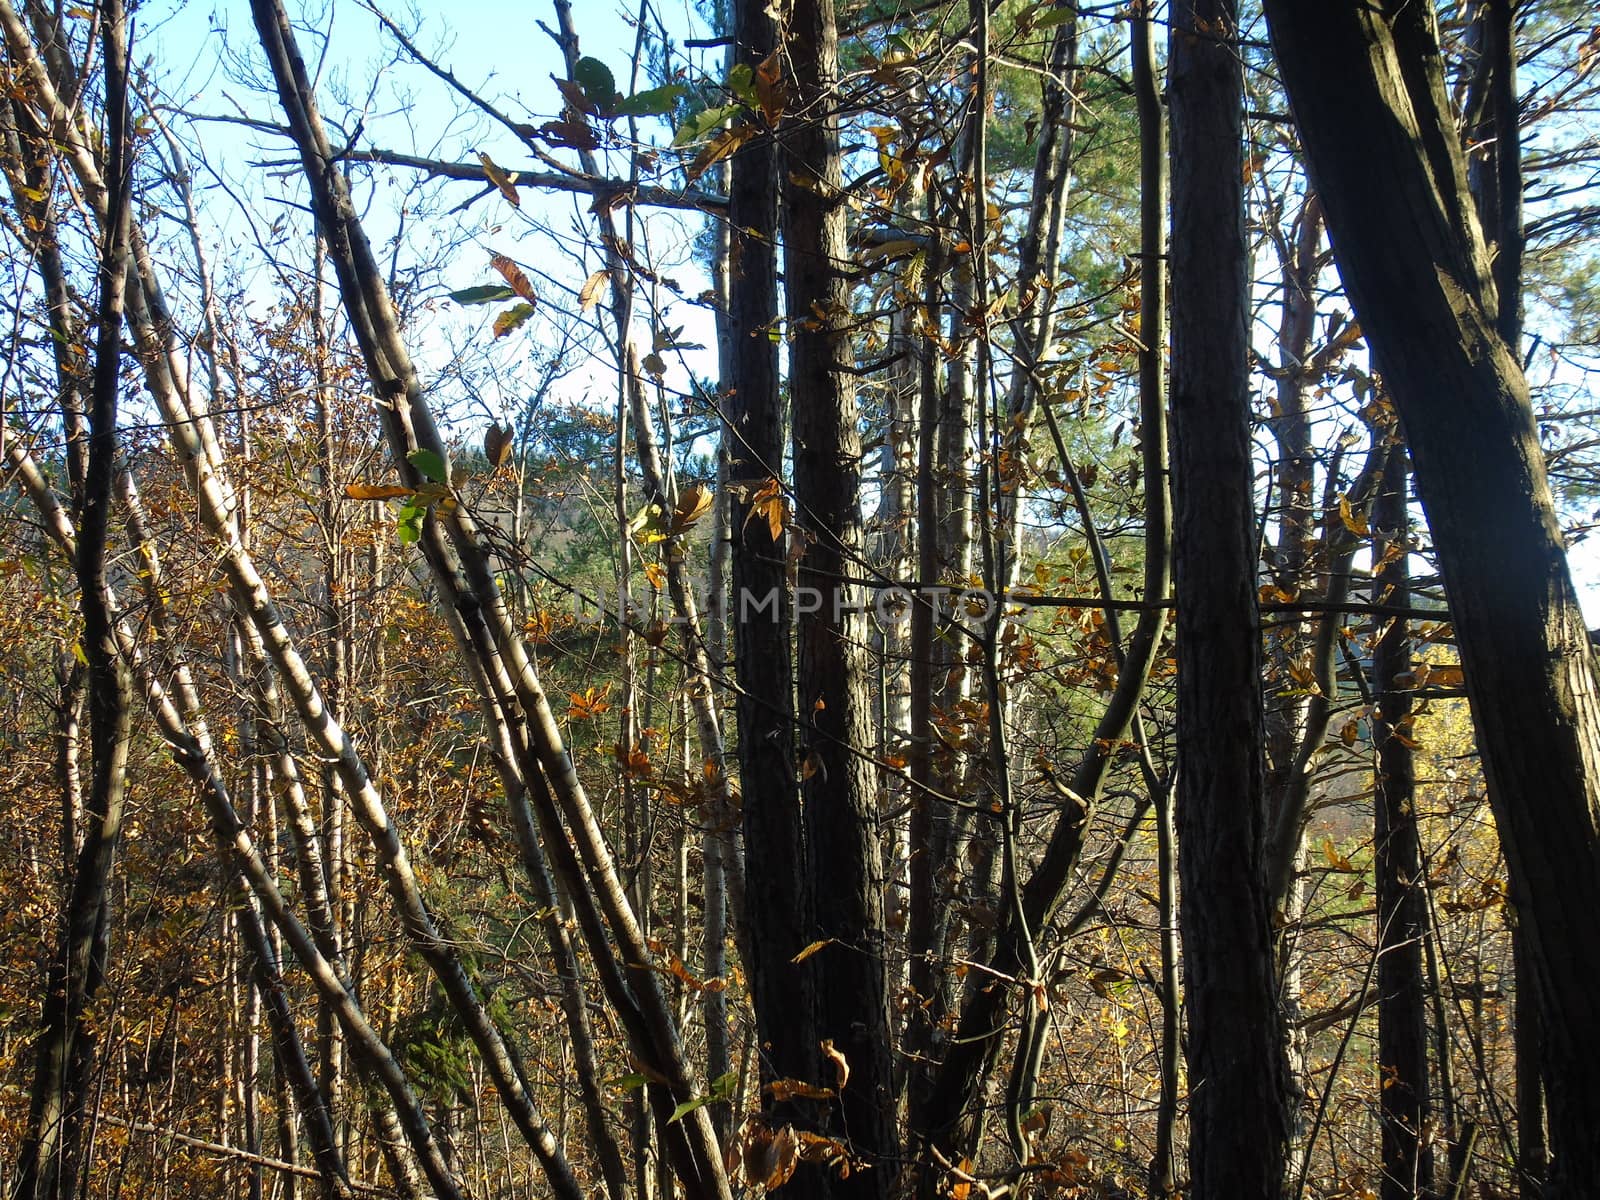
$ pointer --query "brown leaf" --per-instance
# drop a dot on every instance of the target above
(574, 135)
(497, 446)
(694, 502)
(717, 149)
(789, 1089)
(513, 275)
(378, 491)
(841, 1065)
(500, 180)
(771, 93)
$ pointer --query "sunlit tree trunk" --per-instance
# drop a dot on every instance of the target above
(64, 1056)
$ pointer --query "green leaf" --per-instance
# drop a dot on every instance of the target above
(654, 102)
(722, 1087)
(742, 82)
(1059, 15)
(597, 82)
(512, 319)
(628, 1083)
(687, 1107)
(430, 464)
(697, 126)
(408, 526)
(488, 293)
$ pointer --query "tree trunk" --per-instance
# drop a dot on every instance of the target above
(1402, 905)
(840, 788)
(1238, 1100)
(1366, 86)
(64, 1055)
(777, 905)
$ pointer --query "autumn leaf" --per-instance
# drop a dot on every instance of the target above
(513, 275)
(717, 149)
(378, 491)
(789, 1089)
(1354, 521)
(589, 703)
(694, 502)
(512, 319)
(770, 504)
(497, 446)
(1336, 860)
(589, 294)
(500, 179)
(812, 949)
(841, 1065)
(771, 94)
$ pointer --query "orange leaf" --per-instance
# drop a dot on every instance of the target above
(378, 491)
(514, 276)
(811, 949)
(841, 1065)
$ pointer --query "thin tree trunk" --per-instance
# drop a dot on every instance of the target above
(1404, 1099)
(458, 560)
(1239, 1088)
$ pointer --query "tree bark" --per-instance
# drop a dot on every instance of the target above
(839, 788)
(1404, 1100)
(1239, 1096)
(1366, 87)
(51, 1155)
(777, 903)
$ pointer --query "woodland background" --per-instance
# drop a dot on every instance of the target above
(356, 840)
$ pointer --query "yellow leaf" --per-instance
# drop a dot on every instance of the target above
(1335, 860)
(500, 180)
(656, 575)
(378, 491)
(812, 949)
(694, 502)
(589, 293)
(1355, 522)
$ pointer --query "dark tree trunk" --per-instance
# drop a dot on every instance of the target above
(776, 902)
(839, 788)
(1366, 86)
(64, 1054)
(1494, 175)
(1238, 1100)
(1402, 906)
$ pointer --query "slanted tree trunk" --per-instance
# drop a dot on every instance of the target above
(1366, 86)
(840, 788)
(1239, 1095)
